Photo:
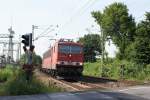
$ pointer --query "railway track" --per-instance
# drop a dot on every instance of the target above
(85, 83)
(48, 80)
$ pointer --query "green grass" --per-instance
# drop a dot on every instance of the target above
(15, 83)
(132, 71)
(5, 74)
(92, 69)
(20, 86)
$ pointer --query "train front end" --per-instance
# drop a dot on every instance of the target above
(70, 59)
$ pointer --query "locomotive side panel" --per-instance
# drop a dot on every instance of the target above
(46, 63)
(54, 56)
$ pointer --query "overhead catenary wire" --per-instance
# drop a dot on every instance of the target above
(46, 31)
(79, 12)
(86, 6)
(44, 35)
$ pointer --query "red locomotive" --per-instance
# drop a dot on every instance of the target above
(64, 58)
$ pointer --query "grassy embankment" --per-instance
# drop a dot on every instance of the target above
(92, 69)
(13, 82)
(112, 69)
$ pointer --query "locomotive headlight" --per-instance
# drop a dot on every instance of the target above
(58, 62)
(81, 63)
(61, 62)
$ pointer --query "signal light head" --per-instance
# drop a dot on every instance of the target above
(25, 42)
(27, 39)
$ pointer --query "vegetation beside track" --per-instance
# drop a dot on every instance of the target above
(112, 69)
(132, 59)
(92, 69)
(13, 82)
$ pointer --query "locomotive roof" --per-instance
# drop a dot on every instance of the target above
(70, 43)
(63, 42)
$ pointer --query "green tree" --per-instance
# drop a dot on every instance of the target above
(116, 22)
(92, 44)
(139, 51)
(37, 60)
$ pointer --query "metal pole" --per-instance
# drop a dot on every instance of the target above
(10, 48)
(19, 47)
(20, 50)
(103, 47)
(33, 33)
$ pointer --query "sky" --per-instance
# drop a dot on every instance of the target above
(73, 18)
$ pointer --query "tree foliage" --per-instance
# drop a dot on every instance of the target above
(92, 44)
(37, 60)
(116, 22)
(140, 51)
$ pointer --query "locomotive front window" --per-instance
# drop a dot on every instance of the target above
(76, 49)
(64, 49)
(70, 49)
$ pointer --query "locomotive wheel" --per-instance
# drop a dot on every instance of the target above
(52, 73)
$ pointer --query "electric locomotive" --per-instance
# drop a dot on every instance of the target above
(64, 58)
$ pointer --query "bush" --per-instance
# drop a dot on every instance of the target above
(129, 71)
(92, 69)
(112, 69)
(20, 86)
(14, 83)
(5, 74)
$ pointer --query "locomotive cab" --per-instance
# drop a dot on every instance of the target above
(70, 59)
(64, 58)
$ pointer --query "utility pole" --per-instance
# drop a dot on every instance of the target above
(6, 50)
(33, 28)
(19, 47)
(10, 44)
(10, 47)
(103, 48)
(33, 33)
